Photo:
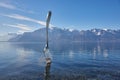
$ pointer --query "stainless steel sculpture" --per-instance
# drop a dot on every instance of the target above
(46, 49)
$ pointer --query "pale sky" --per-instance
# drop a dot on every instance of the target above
(18, 16)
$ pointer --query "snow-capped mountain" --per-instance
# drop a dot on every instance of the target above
(58, 34)
(8, 36)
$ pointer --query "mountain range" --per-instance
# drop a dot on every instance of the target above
(62, 35)
(8, 36)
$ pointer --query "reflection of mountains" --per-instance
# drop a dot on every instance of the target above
(67, 47)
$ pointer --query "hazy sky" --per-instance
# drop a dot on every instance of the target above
(27, 15)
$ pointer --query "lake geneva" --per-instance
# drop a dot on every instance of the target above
(70, 61)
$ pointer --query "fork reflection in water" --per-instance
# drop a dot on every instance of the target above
(47, 71)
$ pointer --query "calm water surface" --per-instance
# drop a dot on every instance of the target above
(70, 61)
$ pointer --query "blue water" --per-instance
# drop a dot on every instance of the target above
(70, 61)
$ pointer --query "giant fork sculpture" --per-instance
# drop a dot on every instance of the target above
(46, 49)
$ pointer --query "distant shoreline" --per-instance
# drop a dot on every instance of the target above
(65, 41)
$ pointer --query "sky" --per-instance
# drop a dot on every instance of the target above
(18, 16)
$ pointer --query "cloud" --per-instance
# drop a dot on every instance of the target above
(19, 26)
(13, 7)
(20, 17)
(6, 5)
(21, 31)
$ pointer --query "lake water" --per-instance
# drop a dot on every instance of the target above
(70, 61)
